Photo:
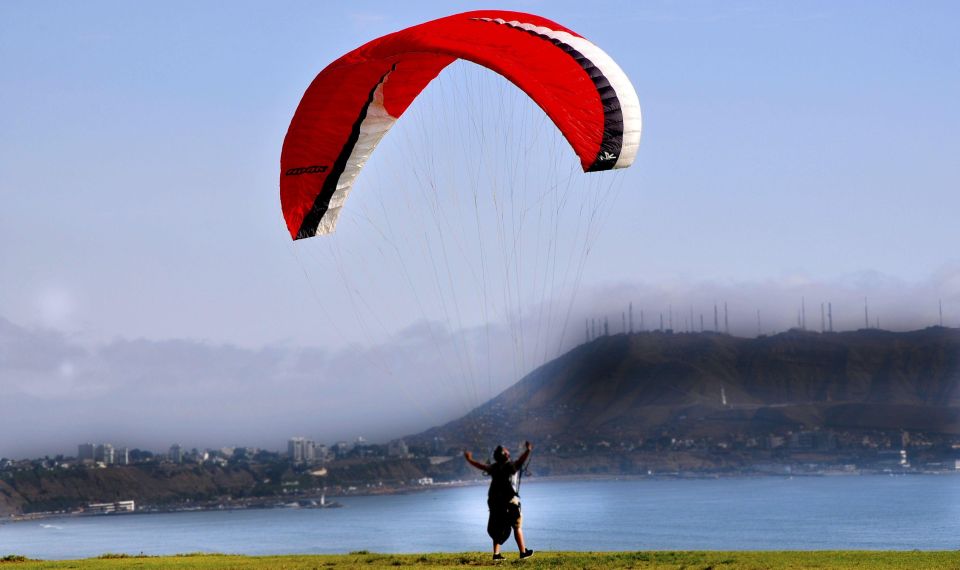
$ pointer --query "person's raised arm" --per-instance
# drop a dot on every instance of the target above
(469, 457)
(527, 448)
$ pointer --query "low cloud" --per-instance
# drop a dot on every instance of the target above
(899, 305)
(56, 307)
(150, 394)
(56, 391)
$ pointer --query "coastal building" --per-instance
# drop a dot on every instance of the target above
(85, 452)
(360, 447)
(813, 440)
(116, 507)
(774, 441)
(301, 450)
(398, 448)
(341, 448)
(892, 458)
(295, 449)
(321, 451)
(176, 453)
(104, 453)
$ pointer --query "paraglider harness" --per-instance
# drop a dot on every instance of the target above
(524, 470)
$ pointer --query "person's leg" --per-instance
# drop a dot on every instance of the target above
(518, 534)
(496, 548)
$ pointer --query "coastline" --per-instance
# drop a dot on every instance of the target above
(294, 502)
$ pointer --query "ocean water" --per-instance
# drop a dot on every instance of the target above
(802, 513)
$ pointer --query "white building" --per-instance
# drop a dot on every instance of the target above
(302, 450)
(104, 453)
(117, 507)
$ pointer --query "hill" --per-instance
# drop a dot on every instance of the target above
(67, 489)
(625, 389)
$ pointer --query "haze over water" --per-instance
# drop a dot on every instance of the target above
(803, 513)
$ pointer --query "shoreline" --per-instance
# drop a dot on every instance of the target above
(291, 503)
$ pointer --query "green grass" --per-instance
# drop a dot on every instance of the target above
(559, 560)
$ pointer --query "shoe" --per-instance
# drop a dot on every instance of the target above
(526, 554)
(498, 556)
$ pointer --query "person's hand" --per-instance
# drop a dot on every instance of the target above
(468, 455)
(527, 445)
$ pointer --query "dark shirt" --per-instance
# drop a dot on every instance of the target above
(501, 483)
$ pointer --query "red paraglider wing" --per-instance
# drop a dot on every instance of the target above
(352, 103)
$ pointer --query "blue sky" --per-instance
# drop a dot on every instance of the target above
(138, 165)
(789, 149)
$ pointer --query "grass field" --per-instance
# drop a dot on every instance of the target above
(654, 560)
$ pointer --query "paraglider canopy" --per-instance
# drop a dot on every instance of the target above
(355, 100)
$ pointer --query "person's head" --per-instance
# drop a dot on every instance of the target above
(501, 454)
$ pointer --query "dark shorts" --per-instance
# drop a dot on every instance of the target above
(504, 517)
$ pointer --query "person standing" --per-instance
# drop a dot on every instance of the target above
(502, 498)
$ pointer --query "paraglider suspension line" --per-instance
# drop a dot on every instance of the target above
(525, 468)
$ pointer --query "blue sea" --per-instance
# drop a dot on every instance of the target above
(801, 513)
